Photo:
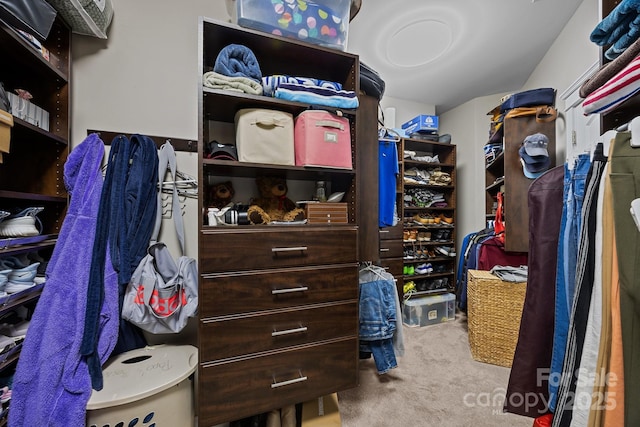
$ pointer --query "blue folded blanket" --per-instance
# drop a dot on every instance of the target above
(316, 95)
(619, 29)
(271, 83)
(236, 60)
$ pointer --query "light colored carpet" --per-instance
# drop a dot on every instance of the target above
(436, 384)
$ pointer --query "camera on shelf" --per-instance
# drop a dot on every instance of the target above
(232, 214)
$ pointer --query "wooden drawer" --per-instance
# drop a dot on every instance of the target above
(226, 294)
(393, 266)
(261, 247)
(391, 248)
(224, 339)
(326, 213)
(390, 233)
(233, 390)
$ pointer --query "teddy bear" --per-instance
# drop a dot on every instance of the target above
(220, 195)
(273, 203)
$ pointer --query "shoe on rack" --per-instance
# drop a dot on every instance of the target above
(447, 219)
(20, 276)
(425, 268)
(409, 287)
(22, 224)
(4, 214)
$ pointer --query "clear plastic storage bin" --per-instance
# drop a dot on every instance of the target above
(323, 22)
(429, 310)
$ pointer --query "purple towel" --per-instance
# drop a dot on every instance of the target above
(52, 386)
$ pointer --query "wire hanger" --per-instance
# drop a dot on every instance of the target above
(186, 185)
(388, 135)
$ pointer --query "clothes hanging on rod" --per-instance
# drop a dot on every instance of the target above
(594, 364)
(388, 171)
(380, 329)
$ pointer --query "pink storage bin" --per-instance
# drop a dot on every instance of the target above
(322, 139)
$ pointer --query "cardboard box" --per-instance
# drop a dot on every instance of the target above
(326, 213)
(429, 310)
(421, 123)
(321, 412)
(6, 122)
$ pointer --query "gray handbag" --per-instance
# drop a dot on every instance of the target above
(163, 293)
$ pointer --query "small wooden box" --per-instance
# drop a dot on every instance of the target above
(326, 213)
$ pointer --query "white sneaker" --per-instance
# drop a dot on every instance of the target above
(22, 224)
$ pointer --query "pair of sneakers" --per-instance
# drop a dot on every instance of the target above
(17, 274)
(22, 224)
(425, 268)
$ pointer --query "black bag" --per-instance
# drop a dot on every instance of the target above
(33, 16)
(530, 98)
(370, 82)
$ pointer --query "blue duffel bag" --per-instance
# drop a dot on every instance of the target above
(530, 98)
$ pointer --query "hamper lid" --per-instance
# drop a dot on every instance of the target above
(143, 372)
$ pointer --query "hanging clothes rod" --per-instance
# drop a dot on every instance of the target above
(179, 144)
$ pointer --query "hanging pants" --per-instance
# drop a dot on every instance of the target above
(625, 182)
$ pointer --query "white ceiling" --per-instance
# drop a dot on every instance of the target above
(447, 52)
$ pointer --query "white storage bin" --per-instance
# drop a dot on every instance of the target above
(264, 136)
(150, 384)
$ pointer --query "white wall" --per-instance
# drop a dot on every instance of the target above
(468, 125)
(406, 110)
(143, 79)
(570, 55)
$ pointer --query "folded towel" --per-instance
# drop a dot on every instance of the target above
(316, 95)
(215, 80)
(271, 83)
(614, 92)
(619, 29)
(626, 40)
(236, 60)
(610, 69)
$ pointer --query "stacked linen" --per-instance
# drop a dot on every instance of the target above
(215, 80)
(236, 68)
(309, 91)
(615, 91)
(317, 95)
(271, 83)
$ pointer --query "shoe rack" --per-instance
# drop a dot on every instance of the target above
(427, 188)
(31, 172)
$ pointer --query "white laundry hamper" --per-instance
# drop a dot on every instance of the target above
(146, 387)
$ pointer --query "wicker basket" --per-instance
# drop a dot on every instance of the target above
(493, 314)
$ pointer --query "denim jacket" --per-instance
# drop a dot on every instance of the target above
(377, 310)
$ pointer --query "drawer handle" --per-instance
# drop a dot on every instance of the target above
(292, 249)
(289, 290)
(384, 249)
(384, 231)
(289, 331)
(288, 382)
